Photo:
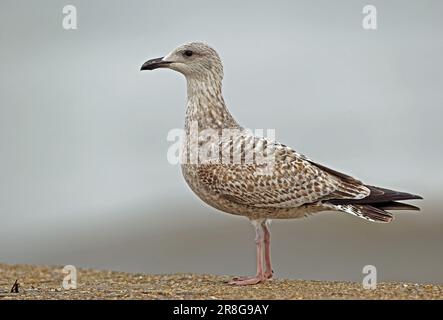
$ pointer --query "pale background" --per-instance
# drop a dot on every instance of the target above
(83, 173)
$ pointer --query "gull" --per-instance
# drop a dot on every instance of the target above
(286, 186)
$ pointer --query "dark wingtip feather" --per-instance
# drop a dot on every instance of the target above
(382, 199)
(393, 205)
(379, 194)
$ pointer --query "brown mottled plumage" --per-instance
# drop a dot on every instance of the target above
(293, 187)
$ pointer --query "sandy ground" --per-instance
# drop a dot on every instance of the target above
(43, 282)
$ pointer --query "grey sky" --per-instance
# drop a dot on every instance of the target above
(83, 143)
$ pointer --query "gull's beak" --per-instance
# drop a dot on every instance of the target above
(155, 64)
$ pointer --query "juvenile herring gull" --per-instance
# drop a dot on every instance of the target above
(293, 186)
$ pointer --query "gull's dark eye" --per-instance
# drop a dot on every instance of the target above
(188, 53)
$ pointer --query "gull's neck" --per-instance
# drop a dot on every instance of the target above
(206, 105)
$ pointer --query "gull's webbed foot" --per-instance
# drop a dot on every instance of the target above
(245, 281)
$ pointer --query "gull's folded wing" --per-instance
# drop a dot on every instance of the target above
(292, 181)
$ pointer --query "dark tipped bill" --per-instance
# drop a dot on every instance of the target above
(154, 64)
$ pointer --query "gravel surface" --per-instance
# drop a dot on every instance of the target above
(43, 282)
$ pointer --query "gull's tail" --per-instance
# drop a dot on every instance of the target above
(374, 206)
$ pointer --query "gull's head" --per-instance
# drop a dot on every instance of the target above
(194, 60)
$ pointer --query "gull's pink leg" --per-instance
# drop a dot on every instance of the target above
(267, 241)
(259, 277)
